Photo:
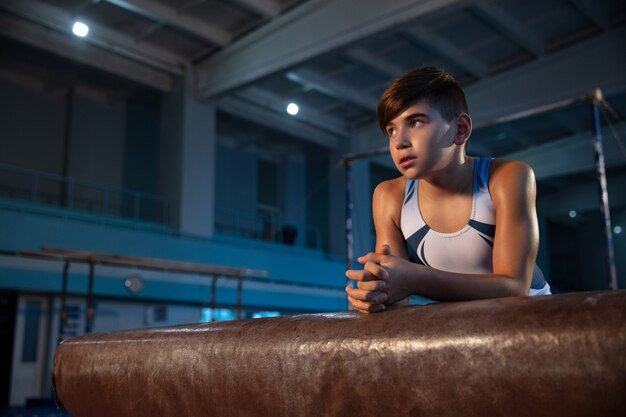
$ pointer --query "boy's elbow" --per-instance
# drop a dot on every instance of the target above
(519, 287)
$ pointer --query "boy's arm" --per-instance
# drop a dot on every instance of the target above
(386, 209)
(513, 191)
(387, 202)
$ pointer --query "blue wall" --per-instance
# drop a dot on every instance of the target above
(27, 227)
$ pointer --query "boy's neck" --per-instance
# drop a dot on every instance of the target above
(454, 178)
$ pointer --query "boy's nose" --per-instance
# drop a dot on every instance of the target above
(401, 141)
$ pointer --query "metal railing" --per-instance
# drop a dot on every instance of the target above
(49, 189)
(43, 188)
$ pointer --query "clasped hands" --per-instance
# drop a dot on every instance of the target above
(380, 283)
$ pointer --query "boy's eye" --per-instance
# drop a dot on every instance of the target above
(416, 123)
(391, 131)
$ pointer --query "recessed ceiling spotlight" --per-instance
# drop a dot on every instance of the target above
(617, 230)
(293, 109)
(572, 213)
(80, 29)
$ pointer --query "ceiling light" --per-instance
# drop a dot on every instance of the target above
(80, 29)
(572, 213)
(617, 230)
(293, 109)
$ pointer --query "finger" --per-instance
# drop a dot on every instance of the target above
(370, 296)
(365, 307)
(357, 308)
(360, 311)
(352, 303)
(376, 285)
(360, 275)
(364, 258)
(371, 257)
(376, 270)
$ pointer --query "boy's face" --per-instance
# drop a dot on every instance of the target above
(420, 140)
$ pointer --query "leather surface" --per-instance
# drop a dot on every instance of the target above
(562, 355)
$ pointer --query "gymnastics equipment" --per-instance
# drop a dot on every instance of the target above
(561, 355)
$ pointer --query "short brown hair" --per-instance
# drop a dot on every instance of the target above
(433, 85)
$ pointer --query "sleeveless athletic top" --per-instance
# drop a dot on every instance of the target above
(470, 250)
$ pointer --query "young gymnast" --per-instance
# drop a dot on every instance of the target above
(452, 226)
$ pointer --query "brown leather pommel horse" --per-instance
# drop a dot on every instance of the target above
(562, 355)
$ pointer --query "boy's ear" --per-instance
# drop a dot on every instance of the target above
(463, 128)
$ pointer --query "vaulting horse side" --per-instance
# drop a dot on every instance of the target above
(562, 355)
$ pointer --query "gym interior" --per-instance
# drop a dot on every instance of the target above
(172, 162)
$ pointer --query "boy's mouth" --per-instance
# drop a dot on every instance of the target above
(406, 161)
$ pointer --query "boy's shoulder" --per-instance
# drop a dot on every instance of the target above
(389, 195)
(505, 169)
(387, 200)
(393, 186)
(506, 176)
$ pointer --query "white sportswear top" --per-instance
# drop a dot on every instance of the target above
(470, 250)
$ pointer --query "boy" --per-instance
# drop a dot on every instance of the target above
(452, 227)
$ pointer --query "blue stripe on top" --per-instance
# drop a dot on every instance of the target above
(410, 191)
(413, 242)
(486, 229)
(481, 173)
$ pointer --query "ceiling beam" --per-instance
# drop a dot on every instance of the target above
(265, 98)
(61, 21)
(268, 118)
(265, 8)
(503, 21)
(364, 57)
(321, 84)
(561, 75)
(75, 49)
(185, 5)
(172, 17)
(570, 155)
(567, 73)
(295, 37)
(445, 49)
(594, 10)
